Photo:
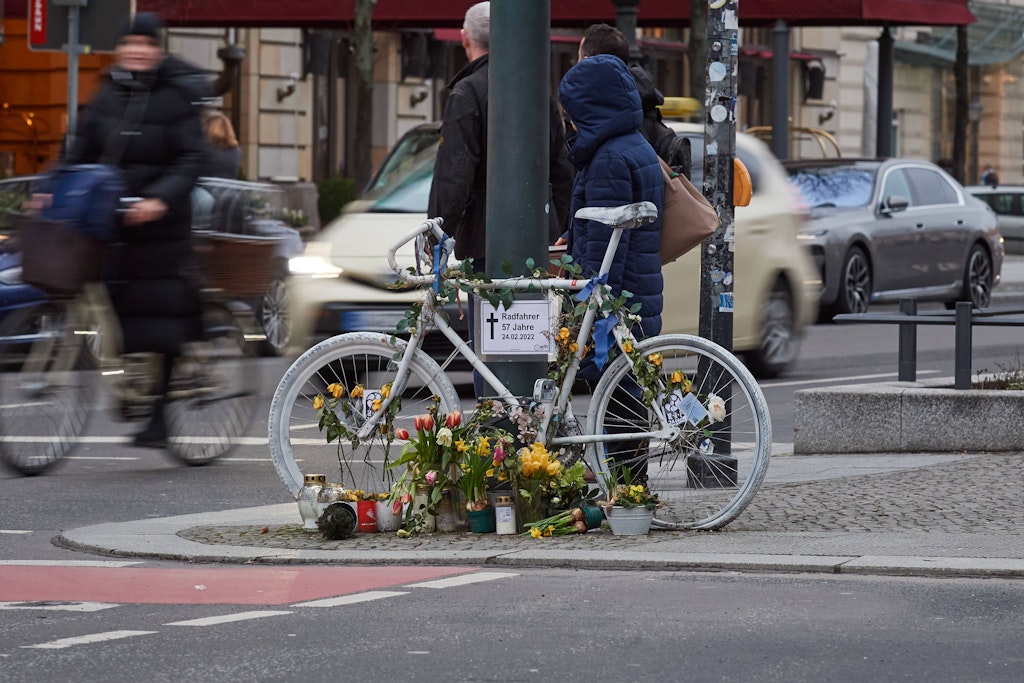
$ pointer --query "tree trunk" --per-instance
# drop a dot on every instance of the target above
(962, 102)
(362, 39)
(697, 48)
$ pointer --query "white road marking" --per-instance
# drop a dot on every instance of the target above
(350, 599)
(227, 618)
(68, 563)
(840, 380)
(463, 580)
(106, 440)
(57, 606)
(15, 531)
(85, 640)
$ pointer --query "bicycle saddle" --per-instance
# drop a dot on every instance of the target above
(626, 216)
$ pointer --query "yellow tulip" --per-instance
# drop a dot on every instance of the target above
(627, 346)
(676, 377)
(376, 404)
(318, 402)
(385, 391)
(357, 391)
(337, 390)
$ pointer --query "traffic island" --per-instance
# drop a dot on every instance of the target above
(907, 417)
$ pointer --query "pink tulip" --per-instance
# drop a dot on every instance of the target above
(401, 433)
(406, 498)
(431, 477)
(499, 454)
(453, 419)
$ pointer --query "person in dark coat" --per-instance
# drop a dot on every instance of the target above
(615, 165)
(602, 39)
(145, 119)
(458, 192)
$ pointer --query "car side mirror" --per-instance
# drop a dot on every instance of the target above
(894, 203)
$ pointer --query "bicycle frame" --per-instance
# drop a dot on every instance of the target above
(428, 316)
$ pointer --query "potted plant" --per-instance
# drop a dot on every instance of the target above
(630, 506)
(476, 460)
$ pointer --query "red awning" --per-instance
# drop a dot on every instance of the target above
(393, 14)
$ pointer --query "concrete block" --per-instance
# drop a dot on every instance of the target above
(846, 420)
(906, 417)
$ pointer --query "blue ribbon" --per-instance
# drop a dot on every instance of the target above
(439, 262)
(588, 288)
(603, 340)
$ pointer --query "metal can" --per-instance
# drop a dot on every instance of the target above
(505, 515)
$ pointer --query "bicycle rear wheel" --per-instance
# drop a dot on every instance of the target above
(358, 358)
(46, 390)
(705, 477)
(214, 394)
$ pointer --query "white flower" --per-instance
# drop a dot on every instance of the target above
(716, 408)
(444, 436)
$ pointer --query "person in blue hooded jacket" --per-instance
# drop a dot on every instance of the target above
(615, 165)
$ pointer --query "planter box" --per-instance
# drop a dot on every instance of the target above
(907, 417)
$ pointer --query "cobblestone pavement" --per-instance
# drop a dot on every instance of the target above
(977, 495)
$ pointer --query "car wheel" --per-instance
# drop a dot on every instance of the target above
(854, 283)
(779, 342)
(274, 313)
(977, 286)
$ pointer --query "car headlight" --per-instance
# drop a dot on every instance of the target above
(315, 261)
(11, 276)
(811, 234)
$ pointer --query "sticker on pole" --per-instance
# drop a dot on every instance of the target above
(523, 329)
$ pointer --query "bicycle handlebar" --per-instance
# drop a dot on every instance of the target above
(430, 226)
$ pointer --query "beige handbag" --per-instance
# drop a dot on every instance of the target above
(686, 216)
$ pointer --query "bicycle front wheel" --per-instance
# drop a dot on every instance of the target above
(708, 474)
(214, 392)
(46, 391)
(356, 359)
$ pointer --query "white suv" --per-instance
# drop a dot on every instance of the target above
(341, 283)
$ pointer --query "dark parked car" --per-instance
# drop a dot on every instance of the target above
(882, 230)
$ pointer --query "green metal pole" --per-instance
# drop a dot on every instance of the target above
(518, 129)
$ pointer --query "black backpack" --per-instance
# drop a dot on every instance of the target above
(674, 149)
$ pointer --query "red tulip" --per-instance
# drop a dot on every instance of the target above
(396, 507)
(401, 433)
(406, 498)
(417, 422)
(428, 423)
(453, 419)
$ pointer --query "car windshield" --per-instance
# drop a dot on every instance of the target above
(403, 184)
(834, 186)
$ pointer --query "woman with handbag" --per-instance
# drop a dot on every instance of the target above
(615, 165)
(145, 119)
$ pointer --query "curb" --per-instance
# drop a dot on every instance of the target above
(158, 539)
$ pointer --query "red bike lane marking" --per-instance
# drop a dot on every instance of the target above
(204, 586)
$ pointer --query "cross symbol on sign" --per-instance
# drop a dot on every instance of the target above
(492, 320)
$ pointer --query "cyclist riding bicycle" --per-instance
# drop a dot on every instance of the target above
(145, 119)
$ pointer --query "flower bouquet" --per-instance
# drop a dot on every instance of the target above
(340, 414)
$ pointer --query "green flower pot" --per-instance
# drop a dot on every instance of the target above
(481, 521)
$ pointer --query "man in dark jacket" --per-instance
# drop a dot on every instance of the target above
(145, 120)
(602, 39)
(459, 190)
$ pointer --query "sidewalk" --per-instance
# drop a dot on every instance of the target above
(944, 515)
